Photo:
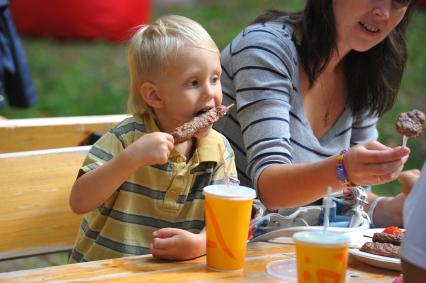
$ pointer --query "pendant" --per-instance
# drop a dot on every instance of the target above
(325, 119)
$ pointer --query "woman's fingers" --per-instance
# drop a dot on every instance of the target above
(375, 145)
(373, 163)
(384, 168)
(383, 156)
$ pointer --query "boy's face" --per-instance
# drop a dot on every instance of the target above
(191, 86)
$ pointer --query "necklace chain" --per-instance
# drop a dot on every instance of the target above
(328, 105)
(325, 118)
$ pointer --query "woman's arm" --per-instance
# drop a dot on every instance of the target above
(289, 185)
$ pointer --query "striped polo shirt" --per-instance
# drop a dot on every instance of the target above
(268, 126)
(153, 197)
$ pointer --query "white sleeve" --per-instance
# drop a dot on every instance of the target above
(413, 247)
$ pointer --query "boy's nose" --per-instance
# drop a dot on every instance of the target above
(209, 90)
(382, 9)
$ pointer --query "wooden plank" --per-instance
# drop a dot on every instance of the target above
(35, 215)
(45, 133)
(146, 269)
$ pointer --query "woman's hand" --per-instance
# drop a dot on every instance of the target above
(373, 163)
(177, 244)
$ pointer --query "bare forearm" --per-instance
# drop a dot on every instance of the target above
(290, 185)
(388, 210)
(96, 186)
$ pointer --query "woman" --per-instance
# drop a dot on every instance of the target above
(309, 88)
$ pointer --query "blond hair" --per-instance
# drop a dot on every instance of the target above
(153, 46)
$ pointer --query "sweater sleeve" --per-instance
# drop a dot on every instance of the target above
(261, 62)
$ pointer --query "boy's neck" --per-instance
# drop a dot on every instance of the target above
(186, 148)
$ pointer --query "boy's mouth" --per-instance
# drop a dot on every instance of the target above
(203, 110)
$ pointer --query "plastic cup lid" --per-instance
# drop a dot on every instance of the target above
(230, 192)
(322, 238)
(283, 270)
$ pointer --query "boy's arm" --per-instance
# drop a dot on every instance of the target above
(94, 187)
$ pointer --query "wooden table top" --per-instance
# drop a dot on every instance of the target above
(147, 269)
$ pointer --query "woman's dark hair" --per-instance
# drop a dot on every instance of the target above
(372, 77)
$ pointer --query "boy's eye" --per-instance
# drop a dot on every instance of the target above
(215, 79)
(193, 83)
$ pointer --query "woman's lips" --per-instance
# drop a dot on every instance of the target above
(369, 28)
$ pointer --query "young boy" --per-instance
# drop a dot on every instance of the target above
(143, 194)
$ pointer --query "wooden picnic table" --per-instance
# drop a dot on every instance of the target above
(147, 269)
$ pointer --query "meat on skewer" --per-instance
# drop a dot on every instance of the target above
(387, 238)
(199, 123)
(411, 124)
(383, 249)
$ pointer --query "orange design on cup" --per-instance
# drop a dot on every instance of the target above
(218, 231)
(321, 257)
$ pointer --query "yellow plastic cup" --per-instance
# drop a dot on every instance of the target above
(321, 256)
(228, 210)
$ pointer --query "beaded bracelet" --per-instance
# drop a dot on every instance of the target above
(341, 173)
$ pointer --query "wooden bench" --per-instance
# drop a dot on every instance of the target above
(35, 216)
(45, 133)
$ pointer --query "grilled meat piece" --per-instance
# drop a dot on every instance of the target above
(199, 123)
(411, 124)
(387, 238)
(383, 249)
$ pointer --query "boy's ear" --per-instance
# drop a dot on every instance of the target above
(150, 95)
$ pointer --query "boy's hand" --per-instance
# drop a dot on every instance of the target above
(177, 244)
(152, 148)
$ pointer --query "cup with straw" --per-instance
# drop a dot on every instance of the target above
(322, 255)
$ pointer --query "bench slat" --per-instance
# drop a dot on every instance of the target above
(44, 133)
(35, 216)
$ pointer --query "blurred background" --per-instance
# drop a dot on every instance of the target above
(89, 77)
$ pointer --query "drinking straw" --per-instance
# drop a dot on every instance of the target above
(327, 209)
(222, 159)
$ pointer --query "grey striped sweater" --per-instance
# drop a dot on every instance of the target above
(269, 126)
